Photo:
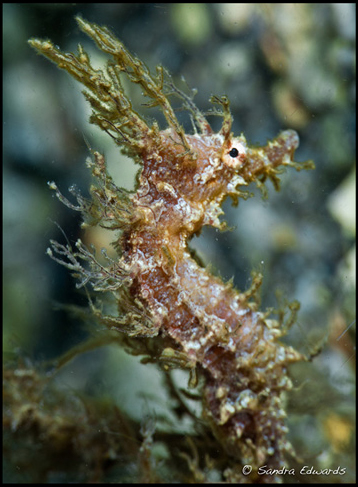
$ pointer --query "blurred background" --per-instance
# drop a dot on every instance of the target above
(282, 66)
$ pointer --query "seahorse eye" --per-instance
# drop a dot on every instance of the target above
(234, 152)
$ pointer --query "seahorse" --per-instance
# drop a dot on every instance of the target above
(163, 295)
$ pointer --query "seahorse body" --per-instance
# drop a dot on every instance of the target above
(214, 326)
(199, 322)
